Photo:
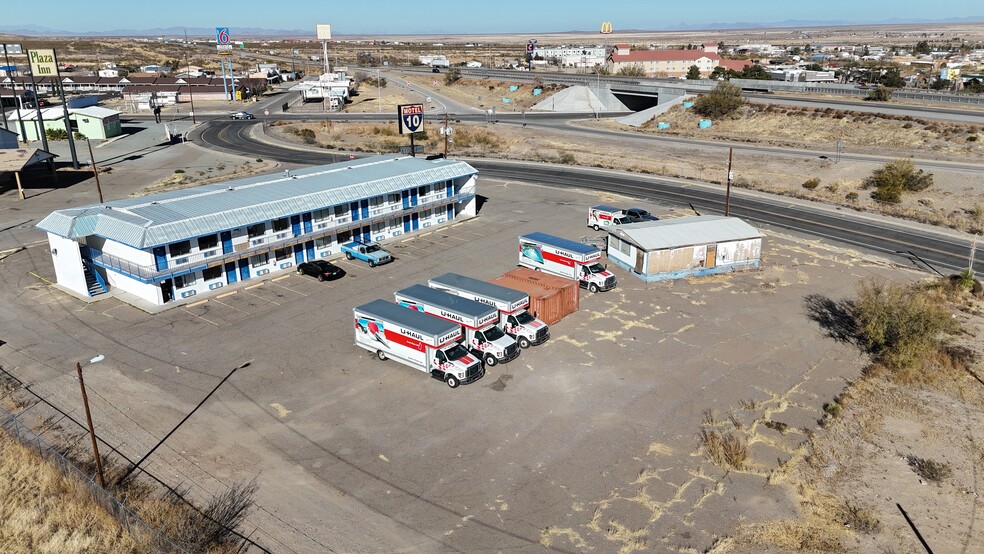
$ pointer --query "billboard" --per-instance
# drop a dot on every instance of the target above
(13, 49)
(324, 32)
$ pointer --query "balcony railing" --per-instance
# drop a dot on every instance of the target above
(197, 262)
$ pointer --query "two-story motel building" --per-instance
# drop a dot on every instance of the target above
(171, 246)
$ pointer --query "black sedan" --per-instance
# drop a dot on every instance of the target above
(635, 215)
(320, 269)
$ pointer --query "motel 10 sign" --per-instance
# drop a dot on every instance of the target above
(410, 118)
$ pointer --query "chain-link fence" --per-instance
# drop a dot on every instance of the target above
(141, 532)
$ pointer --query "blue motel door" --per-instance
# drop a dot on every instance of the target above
(244, 269)
(230, 269)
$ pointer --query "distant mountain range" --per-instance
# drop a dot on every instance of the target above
(242, 32)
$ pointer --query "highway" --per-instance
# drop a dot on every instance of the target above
(945, 250)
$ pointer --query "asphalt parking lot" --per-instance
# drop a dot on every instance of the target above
(586, 442)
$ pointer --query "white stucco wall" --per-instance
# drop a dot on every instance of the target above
(121, 250)
(67, 259)
(150, 292)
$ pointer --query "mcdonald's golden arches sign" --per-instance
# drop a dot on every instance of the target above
(606, 27)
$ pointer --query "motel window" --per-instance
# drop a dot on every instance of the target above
(256, 230)
(210, 241)
(180, 248)
(282, 253)
(212, 273)
(341, 210)
(393, 198)
(376, 201)
(422, 191)
(323, 242)
(319, 215)
(281, 224)
(259, 259)
(182, 281)
(344, 237)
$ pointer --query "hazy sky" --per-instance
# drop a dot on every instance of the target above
(393, 17)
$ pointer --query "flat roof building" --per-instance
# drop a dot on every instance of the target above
(685, 246)
(174, 245)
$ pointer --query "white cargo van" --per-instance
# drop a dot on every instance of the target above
(478, 320)
(514, 319)
(417, 340)
(565, 258)
(605, 216)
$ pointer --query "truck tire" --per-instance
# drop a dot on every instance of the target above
(452, 381)
(381, 355)
(349, 256)
(524, 342)
(372, 263)
(596, 228)
(490, 360)
(593, 287)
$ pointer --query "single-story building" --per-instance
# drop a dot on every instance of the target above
(685, 246)
(165, 247)
(93, 122)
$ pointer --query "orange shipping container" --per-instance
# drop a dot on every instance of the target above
(551, 297)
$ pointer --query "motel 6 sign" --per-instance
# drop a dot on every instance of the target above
(222, 36)
(410, 118)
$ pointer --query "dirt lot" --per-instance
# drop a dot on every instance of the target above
(485, 93)
(583, 443)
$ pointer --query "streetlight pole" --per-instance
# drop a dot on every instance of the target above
(88, 419)
(13, 88)
(379, 93)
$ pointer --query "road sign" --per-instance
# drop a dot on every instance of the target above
(12, 49)
(222, 36)
(529, 47)
(410, 118)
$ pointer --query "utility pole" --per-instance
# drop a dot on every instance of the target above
(17, 101)
(95, 171)
(88, 419)
(727, 195)
(191, 95)
(379, 93)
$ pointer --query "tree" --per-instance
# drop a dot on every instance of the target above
(813, 67)
(754, 71)
(921, 47)
(940, 84)
(451, 76)
(633, 70)
(724, 100)
(720, 72)
(693, 72)
(891, 78)
(895, 178)
(796, 51)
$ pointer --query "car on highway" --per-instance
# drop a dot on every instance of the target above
(635, 215)
(321, 269)
(435, 70)
(241, 115)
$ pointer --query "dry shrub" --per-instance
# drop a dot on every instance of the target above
(479, 138)
(42, 510)
(812, 183)
(929, 470)
(795, 536)
(900, 326)
(724, 450)
(860, 518)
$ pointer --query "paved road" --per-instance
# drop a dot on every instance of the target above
(947, 251)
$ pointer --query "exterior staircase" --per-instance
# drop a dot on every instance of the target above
(93, 282)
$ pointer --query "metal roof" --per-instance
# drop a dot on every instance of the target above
(604, 208)
(449, 302)
(685, 231)
(174, 216)
(411, 319)
(561, 243)
(479, 287)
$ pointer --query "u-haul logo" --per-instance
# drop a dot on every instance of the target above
(491, 317)
(449, 337)
(452, 316)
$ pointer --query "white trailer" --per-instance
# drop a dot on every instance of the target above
(417, 340)
(482, 337)
(565, 258)
(605, 216)
(514, 319)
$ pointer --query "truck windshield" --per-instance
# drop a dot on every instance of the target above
(373, 248)
(596, 268)
(493, 333)
(524, 318)
(621, 220)
(456, 352)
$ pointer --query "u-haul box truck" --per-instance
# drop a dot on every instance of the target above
(566, 258)
(417, 340)
(605, 216)
(482, 337)
(514, 319)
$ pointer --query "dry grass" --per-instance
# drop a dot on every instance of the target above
(723, 449)
(41, 510)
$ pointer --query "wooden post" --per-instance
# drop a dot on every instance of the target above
(727, 194)
(20, 189)
(95, 171)
(92, 433)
